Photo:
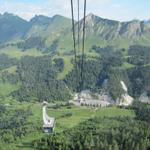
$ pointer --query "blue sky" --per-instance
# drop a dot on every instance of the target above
(122, 10)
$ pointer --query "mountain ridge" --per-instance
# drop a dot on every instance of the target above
(99, 31)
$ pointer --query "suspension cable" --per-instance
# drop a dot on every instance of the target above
(79, 62)
(78, 24)
(81, 80)
(74, 39)
(83, 48)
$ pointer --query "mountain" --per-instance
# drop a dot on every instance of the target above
(99, 31)
(47, 28)
(110, 29)
(40, 20)
(11, 27)
(147, 22)
(114, 32)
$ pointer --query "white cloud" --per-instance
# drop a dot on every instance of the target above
(22, 9)
(47, 7)
(116, 6)
(104, 8)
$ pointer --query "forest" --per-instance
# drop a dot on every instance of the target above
(36, 80)
(6, 62)
(39, 80)
(118, 133)
(13, 123)
(38, 76)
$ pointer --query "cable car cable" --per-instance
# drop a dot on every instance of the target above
(74, 39)
(83, 48)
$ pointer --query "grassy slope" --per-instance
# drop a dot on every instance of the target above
(126, 65)
(7, 88)
(14, 52)
(79, 114)
(11, 70)
(68, 66)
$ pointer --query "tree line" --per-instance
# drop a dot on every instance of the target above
(117, 133)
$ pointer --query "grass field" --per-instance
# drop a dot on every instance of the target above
(68, 66)
(80, 114)
(11, 70)
(127, 66)
(63, 121)
(14, 52)
(7, 88)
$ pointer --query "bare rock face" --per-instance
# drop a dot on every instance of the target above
(133, 29)
(111, 29)
(144, 98)
(126, 99)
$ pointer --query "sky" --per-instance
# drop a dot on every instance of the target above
(122, 10)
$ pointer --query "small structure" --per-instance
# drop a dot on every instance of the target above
(48, 122)
(87, 98)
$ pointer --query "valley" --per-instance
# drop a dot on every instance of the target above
(37, 64)
(67, 117)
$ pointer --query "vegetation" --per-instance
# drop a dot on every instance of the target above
(67, 117)
(116, 133)
(48, 78)
(36, 64)
(139, 55)
(14, 52)
(53, 47)
(6, 62)
(32, 42)
(13, 124)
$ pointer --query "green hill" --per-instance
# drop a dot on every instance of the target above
(48, 30)
(11, 27)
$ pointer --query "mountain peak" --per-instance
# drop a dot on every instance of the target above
(40, 20)
(91, 16)
(11, 17)
(58, 16)
(8, 14)
(91, 19)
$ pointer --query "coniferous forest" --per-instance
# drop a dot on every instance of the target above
(119, 133)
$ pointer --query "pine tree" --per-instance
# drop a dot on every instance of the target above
(115, 145)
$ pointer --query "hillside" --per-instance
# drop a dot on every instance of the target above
(99, 31)
(12, 27)
(48, 42)
(37, 64)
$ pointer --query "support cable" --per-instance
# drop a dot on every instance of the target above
(81, 77)
(79, 63)
(74, 39)
(83, 48)
(78, 24)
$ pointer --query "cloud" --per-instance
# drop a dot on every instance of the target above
(24, 10)
(28, 9)
(116, 6)
(113, 9)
